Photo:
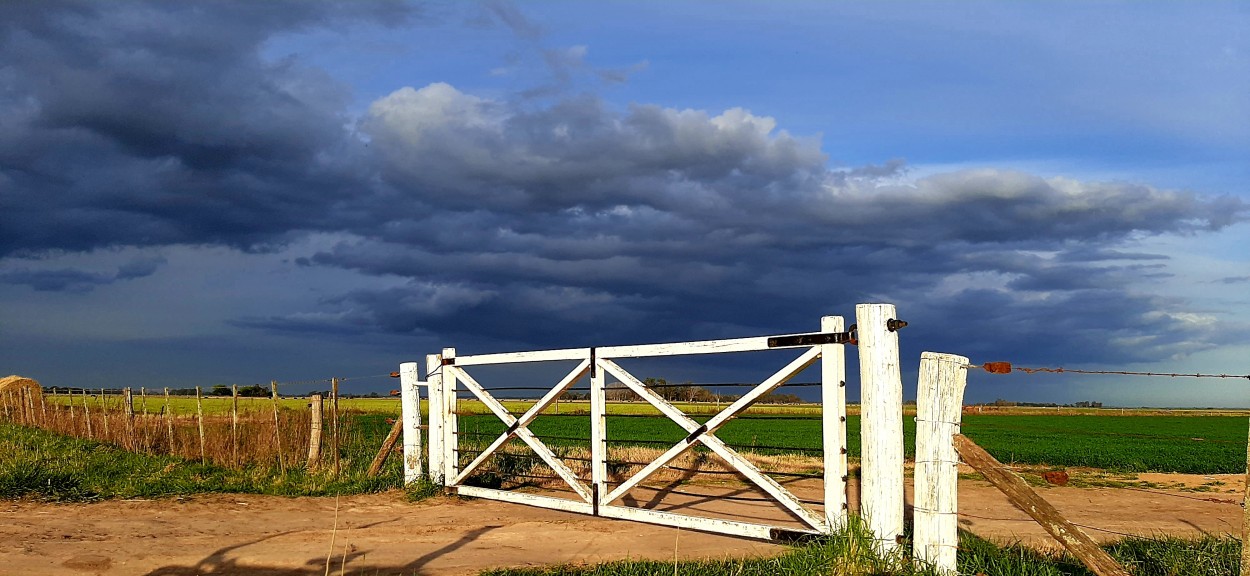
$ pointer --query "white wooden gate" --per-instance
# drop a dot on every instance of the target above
(447, 371)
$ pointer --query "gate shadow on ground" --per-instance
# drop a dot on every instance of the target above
(221, 561)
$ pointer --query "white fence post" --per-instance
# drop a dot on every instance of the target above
(833, 423)
(881, 425)
(410, 401)
(451, 443)
(939, 404)
(598, 434)
(434, 380)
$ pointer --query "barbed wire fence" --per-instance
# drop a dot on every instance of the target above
(279, 429)
(1226, 508)
(231, 425)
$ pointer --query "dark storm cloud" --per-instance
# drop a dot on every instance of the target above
(576, 223)
(569, 222)
(137, 123)
(79, 281)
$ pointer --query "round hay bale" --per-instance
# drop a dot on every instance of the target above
(16, 383)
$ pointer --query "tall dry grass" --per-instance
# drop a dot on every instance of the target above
(254, 441)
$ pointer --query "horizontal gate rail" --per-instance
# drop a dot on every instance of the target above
(732, 527)
(525, 498)
(751, 344)
(516, 357)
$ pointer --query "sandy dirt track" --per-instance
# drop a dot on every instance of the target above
(382, 534)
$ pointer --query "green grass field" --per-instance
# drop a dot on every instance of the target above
(1197, 445)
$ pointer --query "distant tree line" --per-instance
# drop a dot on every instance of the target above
(1082, 404)
(684, 392)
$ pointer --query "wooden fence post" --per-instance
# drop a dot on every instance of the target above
(277, 427)
(434, 383)
(939, 408)
(128, 405)
(833, 423)
(86, 414)
(169, 422)
(199, 413)
(451, 443)
(881, 425)
(314, 431)
(410, 414)
(1023, 497)
(104, 411)
(234, 424)
(73, 417)
(334, 424)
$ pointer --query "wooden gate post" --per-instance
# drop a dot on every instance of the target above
(939, 404)
(410, 405)
(881, 424)
(833, 423)
(451, 444)
(434, 381)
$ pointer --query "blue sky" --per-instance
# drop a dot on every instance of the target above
(201, 193)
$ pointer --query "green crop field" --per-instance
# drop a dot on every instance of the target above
(1191, 444)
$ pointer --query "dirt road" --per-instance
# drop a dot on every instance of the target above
(382, 534)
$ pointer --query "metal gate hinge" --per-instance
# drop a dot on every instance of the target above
(814, 339)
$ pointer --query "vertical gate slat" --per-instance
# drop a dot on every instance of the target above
(833, 423)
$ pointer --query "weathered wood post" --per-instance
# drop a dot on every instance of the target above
(104, 411)
(86, 414)
(388, 445)
(410, 406)
(314, 431)
(73, 417)
(128, 404)
(199, 417)
(434, 383)
(1075, 540)
(939, 407)
(277, 428)
(169, 422)
(833, 423)
(234, 424)
(334, 423)
(451, 444)
(881, 424)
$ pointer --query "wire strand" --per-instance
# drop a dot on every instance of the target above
(1007, 367)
